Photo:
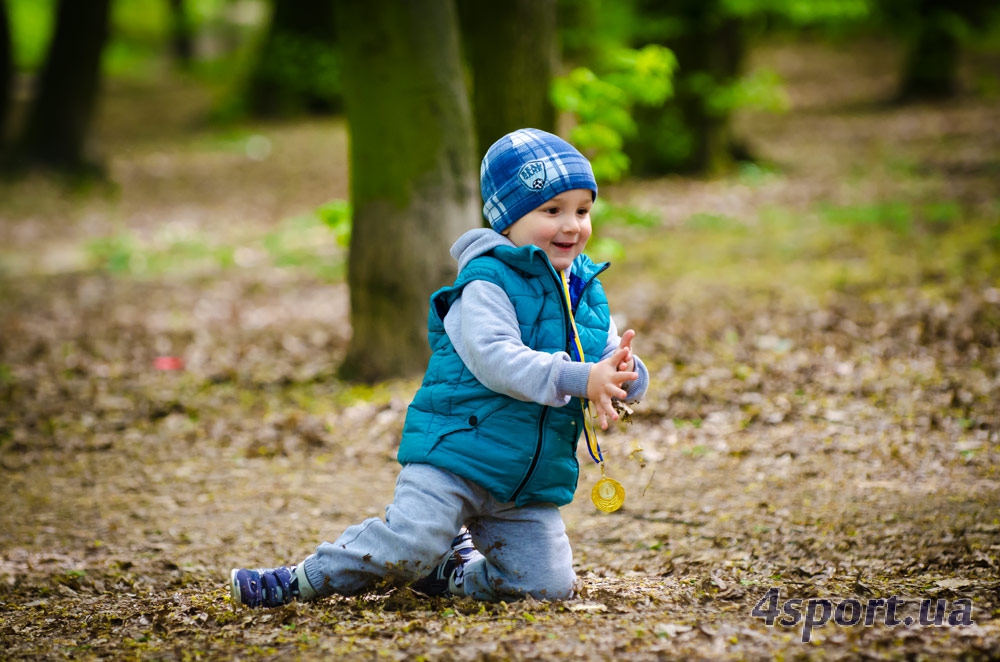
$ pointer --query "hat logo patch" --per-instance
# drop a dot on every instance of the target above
(532, 175)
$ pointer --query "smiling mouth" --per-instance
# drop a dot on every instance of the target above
(564, 246)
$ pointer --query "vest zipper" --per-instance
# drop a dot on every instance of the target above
(534, 458)
(603, 267)
(569, 304)
(545, 412)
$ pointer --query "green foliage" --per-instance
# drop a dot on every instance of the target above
(202, 12)
(644, 74)
(31, 23)
(297, 67)
(141, 20)
(140, 30)
(691, 133)
(588, 29)
(602, 104)
(961, 19)
(801, 13)
(337, 216)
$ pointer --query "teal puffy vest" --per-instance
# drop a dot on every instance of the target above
(519, 451)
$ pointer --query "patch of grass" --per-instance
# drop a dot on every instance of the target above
(696, 451)
(942, 215)
(126, 254)
(894, 216)
(113, 253)
(380, 393)
(939, 247)
(605, 245)
(714, 223)
(607, 213)
(313, 242)
(755, 174)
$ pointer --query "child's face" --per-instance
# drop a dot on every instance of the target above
(560, 227)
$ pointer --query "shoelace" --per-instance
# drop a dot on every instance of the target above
(458, 576)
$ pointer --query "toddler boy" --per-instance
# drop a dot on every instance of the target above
(489, 442)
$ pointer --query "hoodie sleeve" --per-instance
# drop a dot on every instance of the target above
(482, 325)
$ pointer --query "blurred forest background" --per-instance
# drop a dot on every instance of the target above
(221, 220)
(644, 88)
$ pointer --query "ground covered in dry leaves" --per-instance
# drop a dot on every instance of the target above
(823, 335)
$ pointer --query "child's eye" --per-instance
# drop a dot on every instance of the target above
(552, 211)
(582, 211)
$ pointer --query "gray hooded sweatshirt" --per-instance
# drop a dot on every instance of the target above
(482, 325)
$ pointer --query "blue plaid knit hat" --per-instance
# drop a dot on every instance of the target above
(524, 169)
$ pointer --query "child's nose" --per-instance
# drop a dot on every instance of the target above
(571, 224)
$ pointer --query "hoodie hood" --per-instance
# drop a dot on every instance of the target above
(477, 242)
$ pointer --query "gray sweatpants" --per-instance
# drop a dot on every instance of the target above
(525, 550)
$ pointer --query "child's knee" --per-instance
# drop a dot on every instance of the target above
(559, 585)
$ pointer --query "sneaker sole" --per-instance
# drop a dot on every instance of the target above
(234, 588)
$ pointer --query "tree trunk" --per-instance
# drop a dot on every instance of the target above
(689, 133)
(511, 49)
(180, 34)
(578, 22)
(298, 69)
(6, 71)
(931, 69)
(413, 175)
(66, 95)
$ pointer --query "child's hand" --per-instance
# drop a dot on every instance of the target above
(605, 382)
(628, 365)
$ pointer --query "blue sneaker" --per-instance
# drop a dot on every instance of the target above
(267, 587)
(439, 581)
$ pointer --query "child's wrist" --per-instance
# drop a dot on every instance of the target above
(573, 379)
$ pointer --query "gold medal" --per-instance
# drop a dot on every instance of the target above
(608, 495)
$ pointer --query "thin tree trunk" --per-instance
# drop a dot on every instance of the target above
(6, 71)
(511, 49)
(688, 134)
(931, 69)
(298, 69)
(578, 22)
(413, 175)
(66, 96)
(180, 34)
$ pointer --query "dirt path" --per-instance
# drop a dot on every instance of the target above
(824, 341)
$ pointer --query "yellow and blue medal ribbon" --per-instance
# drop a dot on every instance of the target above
(608, 494)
